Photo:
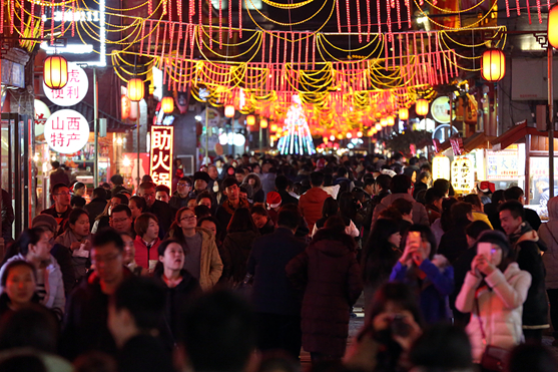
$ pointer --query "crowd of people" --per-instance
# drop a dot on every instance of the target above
(255, 258)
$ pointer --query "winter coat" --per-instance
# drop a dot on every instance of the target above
(79, 264)
(420, 217)
(272, 292)
(211, 266)
(311, 204)
(500, 306)
(433, 290)
(329, 270)
(437, 230)
(453, 243)
(54, 285)
(165, 215)
(94, 209)
(527, 248)
(143, 255)
(548, 233)
(236, 251)
(224, 212)
(62, 221)
(177, 202)
(479, 216)
(144, 353)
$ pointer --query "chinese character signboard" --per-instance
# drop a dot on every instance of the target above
(462, 175)
(440, 168)
(74, 91)
(502, 165)
(161, 154)
(66, 131)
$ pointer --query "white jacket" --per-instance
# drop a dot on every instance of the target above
(54, 285)
(501, 308)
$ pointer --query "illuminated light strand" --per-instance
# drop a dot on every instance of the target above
(240, 18)
(388, 20)
(180, 18)
(157, 40)
(191, 11)
(210, 23)
(22, 15)
(408, 5)
(42, 21)
(2, 19)
(528, 10)
(230, 19)
(369, 20)
(73, 18)
(150, 36)
(347, 2)
(398, 6)
(33, 20)
(220, 24)
(51, 23)
(539, 10)
(314, 52)
(163, 48)
(518, 7)
(508, 8)
(142, 33)
(337, 6)
(192, 40)
(12, 15)
(358, 22)
(149, 8)
(63, 14)
(379, 14)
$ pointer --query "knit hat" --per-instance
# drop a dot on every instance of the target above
(498, 238)
(46, 221)
(202, 176)
(273, 200)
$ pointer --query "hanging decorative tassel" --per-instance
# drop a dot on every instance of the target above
(337, 6)
(379, 11)
(157, 41)
(398, 7)
(408, 5)
(518, 7)
(12, 13)
(149, 37)
(299, 45)
(270, 49)
(185, 46)
(389, 20)
(51, 22)
(171, 38)
(163, 42)
(22, 17)
(192, 40)
(263, 47)
(63, 15)
(33, 18)
(2, 19)
(180, 18)
(358, 21)
(285, 36)
(314, 52)
(240, 18)
(142, 36)
(508, 8)
(369, 21)
(220, 24)
(210, 21)
(278, 46)
(539, 10)
(42, 30)
(73, 17)
(230, 20)
(347, 2)
(191, 10)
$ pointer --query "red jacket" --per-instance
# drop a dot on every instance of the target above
(311, 204)
(141, 256)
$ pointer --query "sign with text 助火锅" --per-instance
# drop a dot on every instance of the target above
(84, 29)
(160, 167)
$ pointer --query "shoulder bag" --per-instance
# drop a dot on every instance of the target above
(494, 358)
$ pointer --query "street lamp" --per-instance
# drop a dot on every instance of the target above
(55, 72)
(493, 65)
(167, 104)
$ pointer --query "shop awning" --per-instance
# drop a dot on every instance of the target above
(476, 141)
(516, 134)
(114, 125)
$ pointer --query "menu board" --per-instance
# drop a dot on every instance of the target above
(462, 174)
(502, 165)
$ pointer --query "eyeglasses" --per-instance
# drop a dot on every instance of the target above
(106, 258)
(192, 217)
(63, 193)
(118, 220)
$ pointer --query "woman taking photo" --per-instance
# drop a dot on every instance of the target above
(493, 292)
(147, 241)
(19, 284)
(78, 240)
(34, 247)
(430, 275)
(379, 255)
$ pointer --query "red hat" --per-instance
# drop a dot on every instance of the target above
(273, 200)
(487, 187)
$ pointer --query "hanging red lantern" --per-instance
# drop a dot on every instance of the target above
(493, 64)
(421, 107)
(250, 120)
(167, 104)
(229, 111)
(263, 123)
(135, 89)
(553, 26)
(55, 72)
(403, 113)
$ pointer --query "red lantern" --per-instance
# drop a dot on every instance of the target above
(250, 120)
(167, 104)
(493, 64)
(55, 72)
(553, 26)
(421, 107)
(403, 113)
(135, 89)
(263, 123)
(229, 111)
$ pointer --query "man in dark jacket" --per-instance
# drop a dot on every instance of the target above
(180, 198)
(163, 211)
(282, 184)
(97, 205)
(515, 193)
(527, 248)
(224, 212)
(61, 208)
(135, 314)
(84, 326)
(275, 300)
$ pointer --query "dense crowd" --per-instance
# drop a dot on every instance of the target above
(255, 258)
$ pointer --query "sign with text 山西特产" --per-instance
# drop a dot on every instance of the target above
(66, 131)
(74, 91)
(160, 167)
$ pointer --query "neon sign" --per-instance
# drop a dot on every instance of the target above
(160, 166)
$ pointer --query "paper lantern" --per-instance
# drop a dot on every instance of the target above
(493, 64)
(135, 89)
(263, 123)
(274, 128)
(55, 72)
(421, 107)
(440, 168)
(349, 135)
(229, 111)
(383, 122)
(359, 134)
(378, 127)
(553, 26)
(250, 120)
(403, 113)
(390, 121)
(167, 104)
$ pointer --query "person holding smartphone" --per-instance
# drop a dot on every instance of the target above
(493, 292)
(429, 274)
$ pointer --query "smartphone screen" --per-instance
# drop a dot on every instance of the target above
(485, 249)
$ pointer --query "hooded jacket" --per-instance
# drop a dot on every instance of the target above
(311, 204)
(500, 308)
(548, 233)
(527, 248)
(420, 216)
(331, 274)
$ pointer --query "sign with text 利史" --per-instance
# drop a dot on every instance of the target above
(160, 166)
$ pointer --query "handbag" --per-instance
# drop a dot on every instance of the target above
(494, 358)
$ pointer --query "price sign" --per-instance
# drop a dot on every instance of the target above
(74, 91)
(161, 154)
(66, 131)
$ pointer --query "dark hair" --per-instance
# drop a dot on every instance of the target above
(404, 206)
(425, 234)
(77, 202)
(121, 208)
(204, 195)
(432, 195)
(330, 208)
(78, 185)
(413, 160)
(146, 185)
(144, 299)
(123, 198)
(260, 210)
(140, 202)
(501, 240)
(23, 362)
(347, 206)
(378, 256)
(400, 184)
(442, 347)
(16, 263)
(164, 245)
(55, 164)
(228, 182)
(532, 358)
(146, 178)
(162, 188)
(369, 181)
(187, 179)
(94, 361)
(241, 221)
(391, 213)
(442, 185)
(384, 181)
(75, 214)
(117, 179)
(289, 217)
(28, 237)
(100, 193)
(335, 223)
(446, 218)
(498, 196)
(473, 199)
(202, 211)
(32, 326)
(513, 193)
(316, 179)
(423, 175)
(460, 212)
(142, 223)
(516, 209)
(281, 183)
(219, 332)
(475, 228)
(57, 187)
(208, 218)
(106, 236)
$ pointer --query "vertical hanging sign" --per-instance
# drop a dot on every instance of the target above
(160, 166)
